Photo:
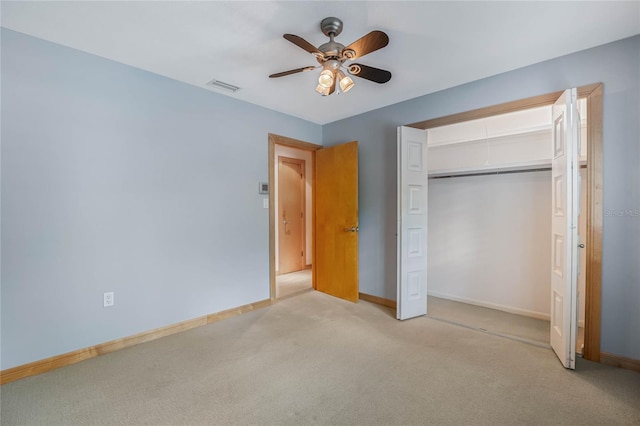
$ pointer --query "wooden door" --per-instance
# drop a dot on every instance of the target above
(336, 221)
(291, 214)
(412, 223)
(564, 227)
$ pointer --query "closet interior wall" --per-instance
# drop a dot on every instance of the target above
(490, 221)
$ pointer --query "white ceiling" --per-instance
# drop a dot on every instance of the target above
(433, 45)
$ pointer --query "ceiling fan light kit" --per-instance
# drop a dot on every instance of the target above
(326, 78)
(324, 91)
(332, 57)
(345, 82)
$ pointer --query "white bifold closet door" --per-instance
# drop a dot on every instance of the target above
(564, 227)
(412, 223)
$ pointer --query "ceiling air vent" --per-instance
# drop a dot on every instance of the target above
(222, 85)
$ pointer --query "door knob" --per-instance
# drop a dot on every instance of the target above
(352, 229)
(285, 221)
(581, 245)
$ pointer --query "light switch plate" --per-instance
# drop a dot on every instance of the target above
(265, 203)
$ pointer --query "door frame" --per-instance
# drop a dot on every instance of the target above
(593, 277)
(274, 140)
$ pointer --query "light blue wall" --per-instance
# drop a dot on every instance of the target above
(617, 65)
(116, 179)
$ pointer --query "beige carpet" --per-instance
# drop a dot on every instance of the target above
(490, 320)
(313, 359)
(293, 283)
(532, 330)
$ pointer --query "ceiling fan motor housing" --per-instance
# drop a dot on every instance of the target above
(332, 65)
(331, 27)
(331, 50)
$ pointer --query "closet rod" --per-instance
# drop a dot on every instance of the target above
(498, 172)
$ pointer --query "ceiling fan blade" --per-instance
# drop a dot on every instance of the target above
(297, 70)
(370, 73)
(304, 44)
(369, 43)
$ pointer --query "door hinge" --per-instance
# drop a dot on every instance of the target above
(301, 253)
(301, 214)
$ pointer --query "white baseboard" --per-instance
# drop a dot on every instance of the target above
(484, 304)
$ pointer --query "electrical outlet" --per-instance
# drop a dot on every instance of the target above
(108, 299)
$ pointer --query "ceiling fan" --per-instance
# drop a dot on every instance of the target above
(332, 57)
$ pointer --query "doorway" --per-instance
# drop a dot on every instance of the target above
(332, 245)
(293, 193)
(497, 203)
(292, 188)
(593, 186)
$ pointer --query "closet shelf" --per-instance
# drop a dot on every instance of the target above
(515, 123)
